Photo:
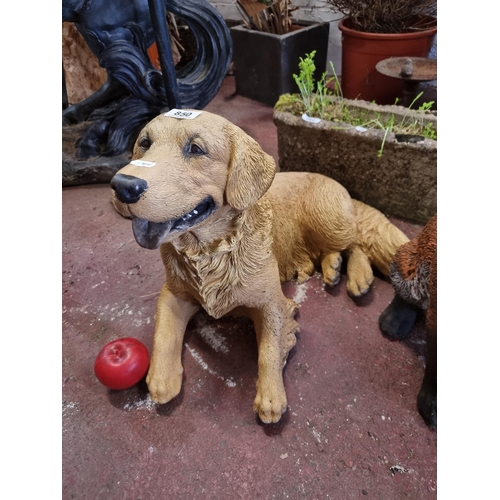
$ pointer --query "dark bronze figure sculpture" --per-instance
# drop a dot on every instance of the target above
(119, 33)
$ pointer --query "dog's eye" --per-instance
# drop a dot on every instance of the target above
(195, 149)
(145, 143)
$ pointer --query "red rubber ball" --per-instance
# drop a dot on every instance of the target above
(122, 363)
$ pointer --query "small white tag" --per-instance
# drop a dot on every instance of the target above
(310, 119)
(182, 113)
(142, 163)
(359, 128)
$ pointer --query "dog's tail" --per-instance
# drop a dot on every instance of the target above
(377, 237)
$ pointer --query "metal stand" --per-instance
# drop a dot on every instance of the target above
(159, 20)
(412, 70)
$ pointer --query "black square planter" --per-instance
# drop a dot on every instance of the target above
(264, 63)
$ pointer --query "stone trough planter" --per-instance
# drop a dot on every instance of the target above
(402, 182)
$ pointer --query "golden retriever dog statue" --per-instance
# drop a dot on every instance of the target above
(413, 273)
(230, 230)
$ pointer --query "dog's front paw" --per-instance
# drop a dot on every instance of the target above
(164, 388)
(269, 405)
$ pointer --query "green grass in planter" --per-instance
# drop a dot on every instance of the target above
(338, 110)
(328, 104)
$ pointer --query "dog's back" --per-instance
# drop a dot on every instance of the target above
(313, 216)
(315, 220)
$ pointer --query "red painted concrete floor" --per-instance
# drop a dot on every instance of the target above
(351, 431)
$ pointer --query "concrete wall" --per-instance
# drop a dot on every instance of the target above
(310, 10)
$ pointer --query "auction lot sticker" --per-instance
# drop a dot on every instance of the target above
(182, 113)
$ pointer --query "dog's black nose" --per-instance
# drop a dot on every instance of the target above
(128, 188)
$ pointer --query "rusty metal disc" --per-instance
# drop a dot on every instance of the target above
(417, 69)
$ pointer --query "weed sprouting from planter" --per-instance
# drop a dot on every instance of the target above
(337, 91)
(417, 126)
(325, 100)
(388, 128)
(323, 92)
(305, 80)
(315, 100)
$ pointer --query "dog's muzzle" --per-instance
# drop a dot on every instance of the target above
(148, 234)
(128, 188)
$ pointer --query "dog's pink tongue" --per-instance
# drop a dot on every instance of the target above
(150, 234)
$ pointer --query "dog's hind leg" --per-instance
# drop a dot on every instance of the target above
(275, 328)
(164, 377)
(376, 236)
(377, 240)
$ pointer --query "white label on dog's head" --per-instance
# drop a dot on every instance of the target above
(182, 113)
(142, 163)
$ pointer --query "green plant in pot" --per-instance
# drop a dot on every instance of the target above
(267, 46)
(375, 30)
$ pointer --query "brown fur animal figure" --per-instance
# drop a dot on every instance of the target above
(413, 274)
(230, 230)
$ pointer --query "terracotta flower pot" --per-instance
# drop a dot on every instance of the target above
(362, 51)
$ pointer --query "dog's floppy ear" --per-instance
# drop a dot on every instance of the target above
(251, 171)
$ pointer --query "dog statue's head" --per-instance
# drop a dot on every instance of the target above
(184, 171)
